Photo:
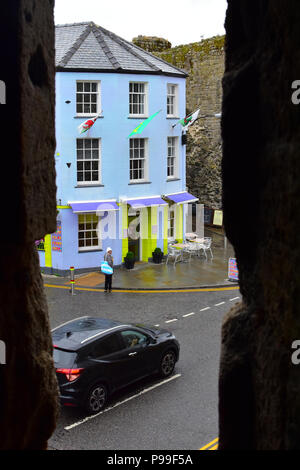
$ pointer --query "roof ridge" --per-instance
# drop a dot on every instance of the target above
(101, 41)
(74, 47)
(126, 46)
(72, 24)
(132, 45)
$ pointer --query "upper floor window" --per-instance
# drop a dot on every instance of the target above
(138, 99)
(172, 99)
(138, 160)
(87, 97)
(88, 161)
(172, 163)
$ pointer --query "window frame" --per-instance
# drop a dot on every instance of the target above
(174, 100)
(145, 159)
(145, 93)
(83, 149)
(171, 210)
(98, 100)
(133, 331)
(175, 157)
(97, 230)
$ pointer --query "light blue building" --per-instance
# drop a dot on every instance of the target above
(112, 190)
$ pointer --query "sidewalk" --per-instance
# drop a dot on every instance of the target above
(198, 272)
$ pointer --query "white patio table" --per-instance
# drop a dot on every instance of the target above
(198, 240)
(182, 247)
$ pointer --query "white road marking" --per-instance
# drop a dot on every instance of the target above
(188, 314)
(221, 303)
(156, 325)
(235, 298)
(74, 425)
(170, 321)
(205, 308)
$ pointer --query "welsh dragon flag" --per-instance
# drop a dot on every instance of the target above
(86, 125)
(189, 120)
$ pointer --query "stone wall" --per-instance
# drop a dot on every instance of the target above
(152, 43)
(204, 62)
(28, 385)
(259, 401)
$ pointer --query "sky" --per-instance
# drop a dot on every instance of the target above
(178, 21)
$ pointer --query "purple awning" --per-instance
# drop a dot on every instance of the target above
(182, 198)
(146, 202)
(94, 206)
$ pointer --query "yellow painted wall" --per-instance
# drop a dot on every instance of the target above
(48, 252)
(165, 229)
(179, 223)
(124, 209)
(145, 233)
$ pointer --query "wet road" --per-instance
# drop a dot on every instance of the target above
(177, 414)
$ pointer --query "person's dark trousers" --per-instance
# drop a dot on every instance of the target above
(108, 280)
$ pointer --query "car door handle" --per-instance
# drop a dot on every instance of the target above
(132, 354)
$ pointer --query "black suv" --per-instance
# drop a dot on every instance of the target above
(94, 357)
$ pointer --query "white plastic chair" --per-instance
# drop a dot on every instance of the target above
(186, 250)
(173, 253)
(193, 249)
(207, 246)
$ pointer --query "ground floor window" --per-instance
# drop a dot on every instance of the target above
(88, 230)
(171, 223)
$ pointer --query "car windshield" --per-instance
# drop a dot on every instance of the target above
(63, 358)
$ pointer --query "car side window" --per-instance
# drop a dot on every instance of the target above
(133, 338)
(108, 345)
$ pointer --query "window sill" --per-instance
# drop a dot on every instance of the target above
(140, 182)
(96, 185)
(84, 116)
(138, 116)
(172, 179)
(172, 117)
(90, 251)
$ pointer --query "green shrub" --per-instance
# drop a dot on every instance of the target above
(157, 251)
(130, 255)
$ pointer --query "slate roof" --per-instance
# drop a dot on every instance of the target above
(88, 47)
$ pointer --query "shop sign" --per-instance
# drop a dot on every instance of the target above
(57, 238)
(233, 273)
(218, 218)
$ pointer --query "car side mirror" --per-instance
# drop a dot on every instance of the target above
(151, 340)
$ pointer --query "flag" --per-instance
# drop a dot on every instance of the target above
(189, 120)
(143, 124)
(86, 125)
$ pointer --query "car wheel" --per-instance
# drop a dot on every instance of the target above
(96, 399)
(167, 363)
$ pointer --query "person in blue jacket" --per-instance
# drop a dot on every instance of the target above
(108, 277)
